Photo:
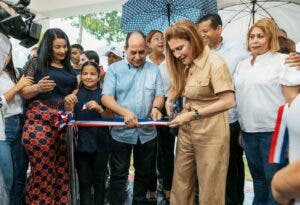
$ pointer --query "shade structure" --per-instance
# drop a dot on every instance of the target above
(239, 15)
(145, 15)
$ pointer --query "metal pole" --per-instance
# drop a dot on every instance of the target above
(169, 13)
(253, 11)
(73, 188)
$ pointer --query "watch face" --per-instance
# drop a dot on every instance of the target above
(197, 115)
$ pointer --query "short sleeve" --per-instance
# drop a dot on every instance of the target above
(221, 79)
(289, 76)
(110, 82)
(159, 87)
(30, 67)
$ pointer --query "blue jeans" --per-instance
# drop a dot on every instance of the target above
(257, 147)
(6, 164)
(13, 132)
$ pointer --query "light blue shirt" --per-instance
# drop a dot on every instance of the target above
(135, 90)
(233, 52)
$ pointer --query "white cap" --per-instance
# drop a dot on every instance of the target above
(115, 50)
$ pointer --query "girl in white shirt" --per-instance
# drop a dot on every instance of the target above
(258, 96)
(12, 155)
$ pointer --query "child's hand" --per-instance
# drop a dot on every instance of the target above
(71, 99)
(24, 81)
(93, 105)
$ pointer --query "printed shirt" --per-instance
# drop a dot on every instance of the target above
(135, 90)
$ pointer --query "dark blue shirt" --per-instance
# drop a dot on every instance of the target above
(65, 83)
(90, 139)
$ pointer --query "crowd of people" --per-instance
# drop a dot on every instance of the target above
(230, 94)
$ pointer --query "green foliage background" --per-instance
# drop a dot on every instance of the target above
(105, 26)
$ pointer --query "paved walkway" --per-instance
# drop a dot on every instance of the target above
(248, 193)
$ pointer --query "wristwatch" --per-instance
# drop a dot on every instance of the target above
(197, 115)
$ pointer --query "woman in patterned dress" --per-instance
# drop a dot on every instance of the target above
(45, 144)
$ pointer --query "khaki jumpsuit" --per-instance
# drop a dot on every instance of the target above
(203, 145)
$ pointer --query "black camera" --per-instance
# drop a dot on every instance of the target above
(20, 26)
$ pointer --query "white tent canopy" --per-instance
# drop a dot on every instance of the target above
(285, 12)
(66, 8)
(237, 16)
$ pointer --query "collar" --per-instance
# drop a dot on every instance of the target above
(201, 59)
(262, 57)
(132, 67)
(221, 44)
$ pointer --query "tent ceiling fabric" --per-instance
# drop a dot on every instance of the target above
(287, 16)
(237, 17)
(66, 8)
(226, 3)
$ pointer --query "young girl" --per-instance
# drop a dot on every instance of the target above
(6, 160)
(93, 145)
(13, 163)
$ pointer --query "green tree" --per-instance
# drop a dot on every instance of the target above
(105, 26)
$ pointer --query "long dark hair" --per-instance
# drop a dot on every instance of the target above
(92, 56)
(45, 50)
(10, 69)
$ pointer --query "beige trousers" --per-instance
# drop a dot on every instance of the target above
(203, 151)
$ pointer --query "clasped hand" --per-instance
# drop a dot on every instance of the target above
(45, 84)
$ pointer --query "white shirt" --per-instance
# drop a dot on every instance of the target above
(164, 75)
(232, 52)
(258, 91)
(15, 106)
(3, 105)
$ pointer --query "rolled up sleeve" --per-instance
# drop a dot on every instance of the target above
(221, 79)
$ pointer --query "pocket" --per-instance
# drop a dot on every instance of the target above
(199, 88)
(150, 88)
(203, 82)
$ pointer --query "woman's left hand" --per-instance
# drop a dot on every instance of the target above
(182, 119)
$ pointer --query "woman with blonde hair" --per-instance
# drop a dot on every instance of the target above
(203, 79)
(258, 95)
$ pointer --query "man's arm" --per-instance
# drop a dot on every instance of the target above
(286, 183)
(157, 105)
(109, 101)
(130, 119)
(158, 101)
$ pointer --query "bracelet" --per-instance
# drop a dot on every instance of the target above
(197, 115)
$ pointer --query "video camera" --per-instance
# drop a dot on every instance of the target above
(20, 26)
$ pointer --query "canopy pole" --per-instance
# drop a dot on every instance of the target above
(169, 13)
(253, 10)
